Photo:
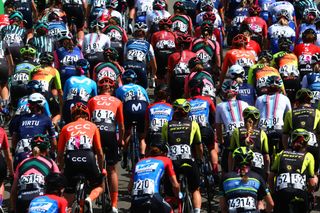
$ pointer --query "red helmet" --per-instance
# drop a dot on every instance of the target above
(239, 39)
(209, 16)
(184, 38)
(106, 81)
(254, 10)
(78, 109)
(165, 21)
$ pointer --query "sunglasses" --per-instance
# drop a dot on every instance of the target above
(256, 115)
(308, 92)
(38, 139)
(35, 102)
(305, 136)
(184, 108)
(106, 81)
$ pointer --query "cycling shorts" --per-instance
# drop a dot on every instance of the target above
(283, 198)
(135, 111)
(110, 147)
(76, 12)
(27, 16)
(3, 169)
(275, 141)
(4, 72)
(225, 154)
(162, 62)
(157, 204)
(81, 163)
(207, 136)
(291, 86)
(140, 69)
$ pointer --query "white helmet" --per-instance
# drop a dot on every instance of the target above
(37, 98)
(235, 71)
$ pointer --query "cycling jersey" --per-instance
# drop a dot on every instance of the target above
(130, 92)
(276, 31)
(216, 35)
(105, 14)
(258, 25)
(64, 61)
(216, 24)
(138, 50)
(242, 196)
(247, 93)
(4, 67)
(42, 44)
(153, 18)
(96, 7)
(254, 47)
(108, 69)
(75, 11)
(49, 203)
(229, 113)
(4, 143)
(13, 35)
(4, 20)
(264, 5)
(56, 28)
(304, 52)
(45, 75)
(156, 115)
(312, 82)
(272, 110)
(94, 44)
(143, 7)
(25, 7)
(275, 7)
(181, 24)
(118, 38)
(202, 110)
(23, 107)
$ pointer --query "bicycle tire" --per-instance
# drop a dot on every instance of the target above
(75, 207)
(187, 206)
(106, 199)
(135, 147)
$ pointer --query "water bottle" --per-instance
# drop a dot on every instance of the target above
(180, 195)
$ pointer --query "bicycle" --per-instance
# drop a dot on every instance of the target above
(81, 191)
(134, 147)
(105, 199)
(185, 204)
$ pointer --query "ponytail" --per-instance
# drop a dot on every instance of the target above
(35, 151)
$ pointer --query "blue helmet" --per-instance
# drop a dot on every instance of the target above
(83, 66)
(129, 74)
(34, 85)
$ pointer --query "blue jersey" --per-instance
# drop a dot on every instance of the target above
(138, 50)
(23, 107)
(25, 66)
(56, 28)
(79, 88)
(265, 4)
(65, 62)
(247, 93)
(158, 114)
(302, 28)
(44, 204)
(199, 111)
(313, 81)
(130, 92)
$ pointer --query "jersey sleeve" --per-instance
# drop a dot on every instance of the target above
(119, 116)
(196, 134)
(287, 126)
(5, 142)
(96, 139)
(276, 163)
(151, 52)
(309, 161)
(164, 132)
(234, 141)
(94, 89)
(264, 143)
(57, 80)
(263, 188)
(50, 128)
(218, 118)
(63, 205)
(304, 82)
(47, 109)
(169, 167)
(62, 140)
(317, 122)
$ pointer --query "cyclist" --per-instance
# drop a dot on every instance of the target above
(29, 178)
(292, 173)
(238, 55)
(306, 117)
(305, 50)
(80, 140)
(181, 23)
(151, 179)
(181, 134)
(5, 71)
(264, 5)
(94, 7)
(178, 65)
(309, 17)
(247, 92)
(272, 107)
(78, 88)
(153, 17)
(241, 188)
(282, 7)
(52, 200)
(94, 43)
(110, 11)
(107, 113)
(164, 44)
(66, 56)
(29, 11)
(139, 54)
(280, 29)
(57, 25)
(228, 117)
(29, 125)
(255, 139)
(76, 12)
(135, 102)
(248, 32)
(157, 114)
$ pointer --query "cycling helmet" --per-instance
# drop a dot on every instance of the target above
(129, 74)
(83, 66)
(239, 40)
(179, 5)
(207, 5)
(96, 23)
(304, 94)
(27, 50)
(15, 16)
(181, 104)
(283, 13)
(37, 98)
(113, 19)
(235, 71)
(63, 36)
(161, 91)
(307, 32)
(230, 87)
(310, 13)
(194, 62)
(209, 16)
(243, 156)
(41, 141)
(244, 27)
(41, 27)
(79, 109)
(106, 81)
(53, 16)
(315, 58)
(254, 10)
(207, 26)
(140, 26)
(55, 182)
(112, 3)
(265, 54)
(163, 147)
(284, 43)
(195, 86)
(34, 85)
(299, 138)
(46, 58)
(159, 4)
(111, 53)
(251, 111)
(274, 82)
(184, 40)
(165, 21)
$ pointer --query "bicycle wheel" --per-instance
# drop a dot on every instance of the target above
(135, 147)
(187, 206)
(75, 208)
(106, 198)
(209, 189)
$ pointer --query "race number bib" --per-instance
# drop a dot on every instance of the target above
(261, 82)
(258, 161)
(54, 32)
(72, 1)
(69, 60)
(165, 44)
(136, 55)
(237, 20)
(271, 123)
(23, 146)
(305, 59)
(313, 140)
(287, 180)
(200, 119)
(103, 115)
(107, 72)
(20, 78)
(157, 123)
(265, 6)
(289, 70)
(143, 187)
(316, 96)
(246, 203)
(204, 56)
(31, 179)
(181, 69)
(245, 62)
(209, 90)
(44, 85)
(12, 38)
(79, 142)
(114, 35)
(178, 152)
(93, 48)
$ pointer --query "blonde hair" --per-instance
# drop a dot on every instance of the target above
(35, 151)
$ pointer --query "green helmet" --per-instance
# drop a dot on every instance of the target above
(41, 141)
(251, 111)
(243, 156)
(182, 104)
(28, 50)
(300, 136)
(304, 94)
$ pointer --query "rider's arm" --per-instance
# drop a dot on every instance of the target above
(34, 10)
(224, 68)
(164, 132)
(120, 121)
(197, 139)
(61, 147)
(172, 176)
(153, 62)
(98, 148)
(13, 195)
(265, 151)
(264, 192)
(6, 150)
(223, 205)
(63, 205)
(274, 171)
(312, 178)
(287, 127)
(219, 124)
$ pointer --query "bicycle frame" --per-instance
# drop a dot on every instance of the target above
(134, 146)
(78, 205)
(185, 204)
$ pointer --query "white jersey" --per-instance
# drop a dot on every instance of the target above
(217, 23)
(114, 13)
(281, 5)
(272, 110)
(276, 31)
(155, 16)
(95, 43)
(143, 7)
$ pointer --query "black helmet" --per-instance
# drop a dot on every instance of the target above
(129, 74)
(195, 86)
(111, 52)
(41, 141)
(55, 182)
(284, 43)
(266, 54)
(161, 91)
(46, 58)
(309, 31)
(160, 145)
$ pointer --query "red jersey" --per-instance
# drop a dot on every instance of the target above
(254, 47)
(178, 62)
(163, 40)
(4, 143)
(258, 25)
(4, 20)
(305, 51)
(80, 134)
